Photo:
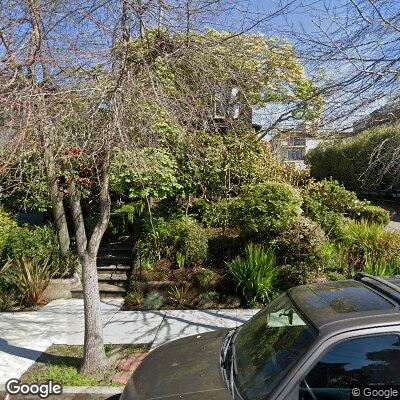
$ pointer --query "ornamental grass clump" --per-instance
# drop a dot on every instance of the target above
(255, 273)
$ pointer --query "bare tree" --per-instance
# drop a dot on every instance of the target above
(352, 50)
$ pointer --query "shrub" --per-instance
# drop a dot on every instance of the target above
(255, 273)
(134, 299)
(207, 300)
(8, 300)
(125, 220)
(7, 226)
(220, 214)
(333, 196)
(182, 235)
(266, 209)
(38, 243)
(329, 203)
(372, 214)
(288, 276)
(30, 277)
(224, 244)
(154, 301)
(363, 240)
(301, 242)
(206, 278)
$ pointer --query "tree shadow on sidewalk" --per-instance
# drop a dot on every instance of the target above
(39, 356)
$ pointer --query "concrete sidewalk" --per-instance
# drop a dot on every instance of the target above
(24, 336)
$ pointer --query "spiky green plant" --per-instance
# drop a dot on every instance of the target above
(178, 295)
(29, 276)
(382, 267)
(180, 260)
(255, 273)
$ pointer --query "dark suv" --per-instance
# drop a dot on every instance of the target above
(326, 341)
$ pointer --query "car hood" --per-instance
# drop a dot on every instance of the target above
(186, 369)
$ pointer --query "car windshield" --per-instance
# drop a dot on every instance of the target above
(268, 346)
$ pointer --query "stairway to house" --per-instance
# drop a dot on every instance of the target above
(114, 264)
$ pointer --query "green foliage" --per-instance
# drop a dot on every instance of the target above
(125, 220)
(289, 276)
(24, 187)
(8, 300)
(333, 196)
(369, 243)
(178, 295)
(361, 163)
(301, 242)
(254, 54)
(29, 276)
(329, 203)
(39, 243)
(224, 244)
(382, 267)
(207, 300)
(372, 214)
(148, 172)
(8, 225)
(134, 299)
(255, 273)
(180, 260)
(266, 209)
(154, 301)
(221, 213)
(206, 278)
(178, 235)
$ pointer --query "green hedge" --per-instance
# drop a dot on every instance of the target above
(360, 163)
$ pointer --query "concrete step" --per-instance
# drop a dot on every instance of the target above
(113, 276)
(107, 290)
(113, 268)
(122, 252)
(114, 261)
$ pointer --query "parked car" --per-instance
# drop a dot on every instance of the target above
(324, 341)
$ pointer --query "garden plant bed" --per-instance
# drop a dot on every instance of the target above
(182, 288)
(61, 363)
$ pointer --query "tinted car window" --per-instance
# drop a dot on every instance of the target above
(268, 346)
(368, 361)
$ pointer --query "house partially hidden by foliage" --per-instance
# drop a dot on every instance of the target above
(216, 220)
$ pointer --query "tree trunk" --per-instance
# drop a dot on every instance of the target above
(56, 196)
(94, 359)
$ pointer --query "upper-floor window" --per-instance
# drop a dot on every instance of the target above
(297, 141)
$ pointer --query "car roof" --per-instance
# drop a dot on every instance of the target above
(350, 304)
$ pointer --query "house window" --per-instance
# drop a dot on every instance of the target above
(295, 154)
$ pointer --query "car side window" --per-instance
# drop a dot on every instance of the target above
(360, 362)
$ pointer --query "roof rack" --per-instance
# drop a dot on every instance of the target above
(360, 275)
